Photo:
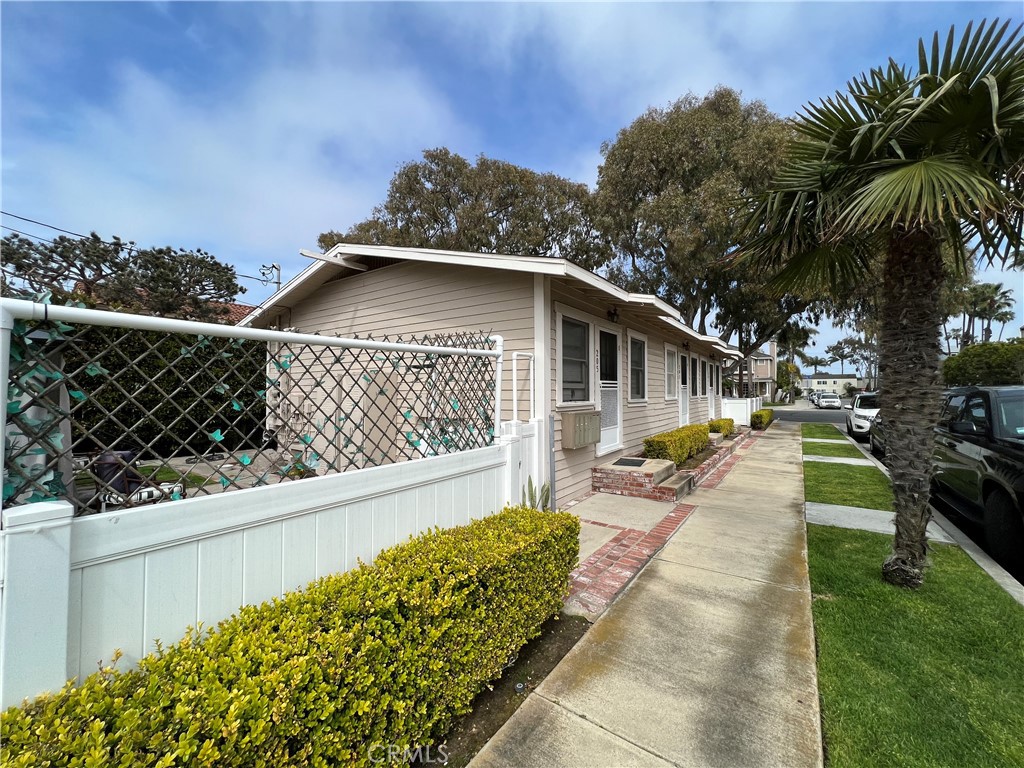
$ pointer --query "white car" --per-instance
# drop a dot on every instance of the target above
(829, 400)
(860, 414)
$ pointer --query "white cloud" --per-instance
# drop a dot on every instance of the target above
(253, 175)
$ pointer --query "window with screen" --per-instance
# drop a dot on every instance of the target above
(671, 384)
(637, 368)
(575, 361)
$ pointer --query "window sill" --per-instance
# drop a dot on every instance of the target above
(606, 451)
(637, 402)
(588, 406)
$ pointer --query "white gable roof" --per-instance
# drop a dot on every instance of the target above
(344, 255)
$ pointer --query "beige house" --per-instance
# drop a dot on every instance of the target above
(754, 376)
(610, 365)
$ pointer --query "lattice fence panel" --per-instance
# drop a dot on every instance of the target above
(117, 417)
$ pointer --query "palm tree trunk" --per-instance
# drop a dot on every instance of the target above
(910, 390)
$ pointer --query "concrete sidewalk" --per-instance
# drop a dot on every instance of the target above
(707, 659)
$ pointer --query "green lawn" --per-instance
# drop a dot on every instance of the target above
(833, 449)
(825, 431)
(927, 678)
(847, 485)
(163, 475)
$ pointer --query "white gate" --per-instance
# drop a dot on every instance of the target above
(684, 390)
(609, 373)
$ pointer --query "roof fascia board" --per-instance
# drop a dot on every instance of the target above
(535, 264)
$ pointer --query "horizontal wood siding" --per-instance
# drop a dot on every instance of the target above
(417, 299)
(639, 420)
(698, 410)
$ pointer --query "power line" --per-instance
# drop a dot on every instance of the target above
(28, 234)
(266, 271)
(130, 248)
(42, 224)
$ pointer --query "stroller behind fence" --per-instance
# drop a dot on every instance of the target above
(125, 486)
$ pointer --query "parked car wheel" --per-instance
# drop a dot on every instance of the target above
(1004, 528)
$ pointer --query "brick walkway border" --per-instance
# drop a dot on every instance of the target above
(599, 578)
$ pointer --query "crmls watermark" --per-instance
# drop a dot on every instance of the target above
(380, 754)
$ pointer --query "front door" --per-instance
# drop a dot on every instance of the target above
(609, 372)
(684, 391)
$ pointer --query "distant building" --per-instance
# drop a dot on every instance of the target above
(831, 382)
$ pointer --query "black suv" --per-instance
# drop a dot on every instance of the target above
(979, 463)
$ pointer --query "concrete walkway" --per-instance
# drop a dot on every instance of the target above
(707, 658)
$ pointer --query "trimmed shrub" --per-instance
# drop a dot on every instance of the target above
(761, 419)
(989, 364)
(385, 655)
(677, 445)
(725, 426)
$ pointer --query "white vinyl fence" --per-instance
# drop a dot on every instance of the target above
(76, 588)
(739, 408)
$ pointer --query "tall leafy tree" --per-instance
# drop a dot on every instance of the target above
(667, 191)
(905, 161)
(172, 282)
(445, 201)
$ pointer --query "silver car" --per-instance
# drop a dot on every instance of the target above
(860, 413)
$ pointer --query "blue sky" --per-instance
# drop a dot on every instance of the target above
(247, 129)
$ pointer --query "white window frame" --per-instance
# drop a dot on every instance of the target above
(578, 317)
(630, 336)
(672, 390)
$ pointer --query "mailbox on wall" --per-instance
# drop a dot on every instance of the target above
(580, 429)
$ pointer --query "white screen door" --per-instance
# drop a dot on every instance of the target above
(684, 391)
(609, 372)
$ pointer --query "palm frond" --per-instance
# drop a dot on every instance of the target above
(920, 191)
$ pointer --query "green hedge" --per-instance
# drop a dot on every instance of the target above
(761, 419)
(677, 445)
(725, 426)
(381, 655)
(988, 364)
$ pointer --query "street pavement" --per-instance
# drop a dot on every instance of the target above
(803, 412)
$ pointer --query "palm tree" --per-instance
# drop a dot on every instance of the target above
(792, 339)
(996, 300)
(841, 352)
(902, 163)
(817, 363)
(1003, 317)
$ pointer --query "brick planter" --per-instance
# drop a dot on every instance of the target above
(657, 479)
(641, 482)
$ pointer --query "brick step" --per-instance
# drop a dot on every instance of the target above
(663, 473)
(677, 486)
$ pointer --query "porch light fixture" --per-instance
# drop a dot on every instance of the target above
(613, 315)
(685, 345)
